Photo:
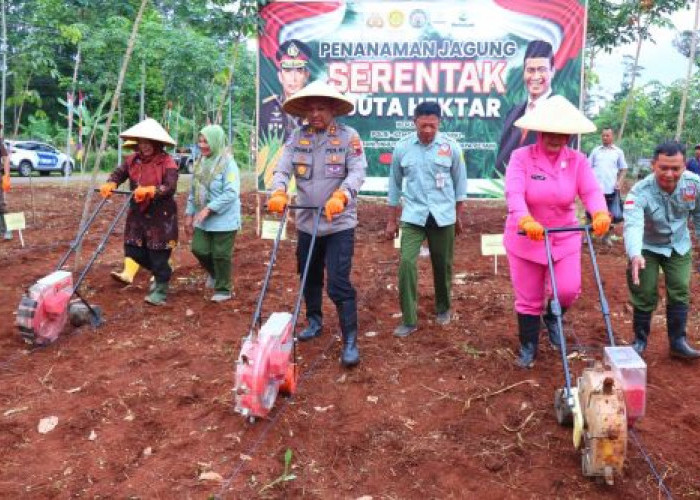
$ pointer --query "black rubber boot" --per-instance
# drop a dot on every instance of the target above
(314, 329)
(528, 332)
(550, 322)
(641, 325)
(347, 314)
(676, 319)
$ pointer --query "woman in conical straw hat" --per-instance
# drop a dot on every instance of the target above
(542, 183)
(150, 233)
(213, 213)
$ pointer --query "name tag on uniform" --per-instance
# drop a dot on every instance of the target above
(538, 177)
(440, 180)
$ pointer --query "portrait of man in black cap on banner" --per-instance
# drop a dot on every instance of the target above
(538, 71)
(292, 60)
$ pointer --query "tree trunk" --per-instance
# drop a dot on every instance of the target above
(587, 85)
(689, 75)
(3, 48)
(71, 99)
(18, 118)
(108, 123)
(229, 84)
(142, 93)
(630, 96)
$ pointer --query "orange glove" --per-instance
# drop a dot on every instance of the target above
(601, 223)
(277, 202)
(107, 188)
(144, 193)
(6, 183)
(532, 228)
(336, 204)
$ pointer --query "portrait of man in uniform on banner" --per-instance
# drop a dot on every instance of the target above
(292, 60)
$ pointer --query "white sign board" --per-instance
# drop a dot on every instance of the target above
(270, 228)
(492, 244)
(15, 221)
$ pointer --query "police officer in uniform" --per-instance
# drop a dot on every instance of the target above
(328, 162)
(656, 235)
(292, 60)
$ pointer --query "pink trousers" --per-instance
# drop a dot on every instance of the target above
(531, 282)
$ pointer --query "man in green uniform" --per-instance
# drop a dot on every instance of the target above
(656, 235)
(429, 174)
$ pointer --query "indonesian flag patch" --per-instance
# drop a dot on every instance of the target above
(629, 203)
(689, 193)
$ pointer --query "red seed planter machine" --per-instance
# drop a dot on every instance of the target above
(46, 306)
(266, 365)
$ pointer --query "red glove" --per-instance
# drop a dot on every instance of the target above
(532, 228)
(144, 193)
(107, 188)
(277, 202)
(336, 204)
(6, 183)
(601, 223)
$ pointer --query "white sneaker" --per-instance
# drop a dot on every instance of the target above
(221, 297)
(210, 283)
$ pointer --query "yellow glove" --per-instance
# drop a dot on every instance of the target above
(144, 193)
(532, 228)
(107, 188)
(336, 204)
(277, 202)
(6, 183)
(601, 223)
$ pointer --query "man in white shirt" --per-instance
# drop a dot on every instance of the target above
(609, 166)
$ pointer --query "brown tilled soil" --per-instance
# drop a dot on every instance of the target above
(144, 403)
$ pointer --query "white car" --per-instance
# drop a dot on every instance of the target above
(28, 156)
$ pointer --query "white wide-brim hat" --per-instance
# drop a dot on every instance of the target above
(148, 129)
(556, 115)
(297, 105)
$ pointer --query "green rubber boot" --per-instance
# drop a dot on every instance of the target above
(158, 294)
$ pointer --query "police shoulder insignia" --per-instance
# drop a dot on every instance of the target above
(444, 149)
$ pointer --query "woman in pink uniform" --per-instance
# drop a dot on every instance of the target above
(542, 183)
